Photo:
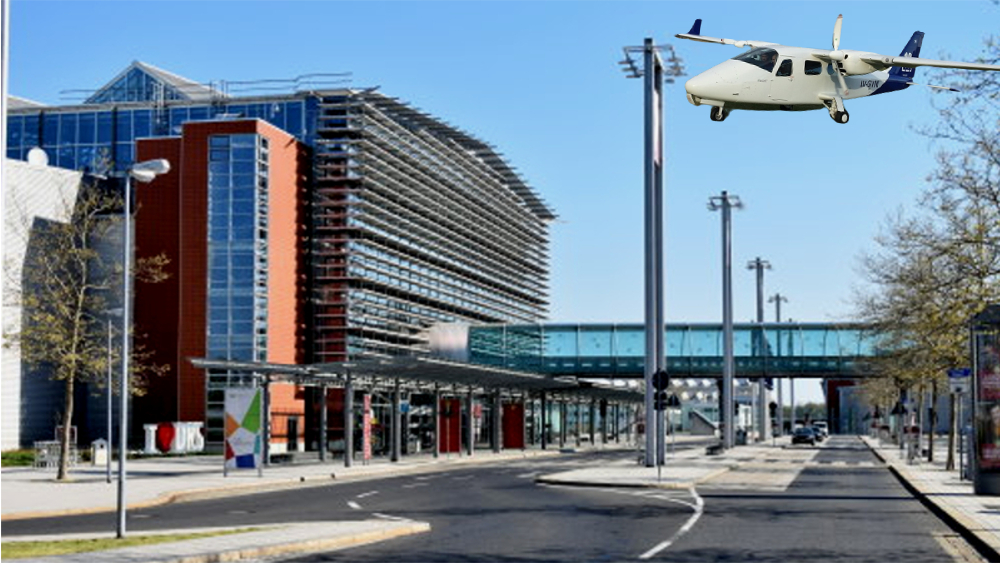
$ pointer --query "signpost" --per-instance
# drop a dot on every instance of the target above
(366, 430)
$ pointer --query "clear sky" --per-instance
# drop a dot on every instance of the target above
(540, 81)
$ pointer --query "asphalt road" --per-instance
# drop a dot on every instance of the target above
(842, 506)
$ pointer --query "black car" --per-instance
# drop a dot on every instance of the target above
(804, 435)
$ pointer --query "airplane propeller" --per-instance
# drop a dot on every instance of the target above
(837, 111)
(836, 31)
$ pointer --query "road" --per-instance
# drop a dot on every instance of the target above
(832, 503)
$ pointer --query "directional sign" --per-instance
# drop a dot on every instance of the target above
(960, 372)
(959, 385)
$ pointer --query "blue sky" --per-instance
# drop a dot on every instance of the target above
(540, 81)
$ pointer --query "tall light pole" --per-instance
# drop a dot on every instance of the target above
(760, 265)
(654, 73)
(726, 203)
(144, 172)
(777, 298)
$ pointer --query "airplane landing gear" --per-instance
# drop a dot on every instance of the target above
(718, 114)
(840, 116)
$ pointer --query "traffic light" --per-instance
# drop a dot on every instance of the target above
(660, 400)
(774, 409)
(661, 380)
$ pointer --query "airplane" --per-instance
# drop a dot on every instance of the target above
(773, 77)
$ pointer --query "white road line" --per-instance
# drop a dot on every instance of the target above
(699, 508)
(414, 485)
(368, 494)
(387, 517)
(528, 475)
(354, 505)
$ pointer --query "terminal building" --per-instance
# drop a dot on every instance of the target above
(314, 226)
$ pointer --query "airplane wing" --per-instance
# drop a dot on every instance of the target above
(886, 62)
(695, 35)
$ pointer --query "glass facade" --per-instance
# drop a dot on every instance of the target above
(237, 259)
(820, 350)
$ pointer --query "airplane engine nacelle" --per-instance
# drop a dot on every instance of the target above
(852, 64)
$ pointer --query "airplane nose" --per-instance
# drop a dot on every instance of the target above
(698, 86)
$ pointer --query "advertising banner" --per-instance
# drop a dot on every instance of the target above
(988, 380)
(366, 427)
(244, 422)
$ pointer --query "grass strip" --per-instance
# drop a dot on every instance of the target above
(25, 549)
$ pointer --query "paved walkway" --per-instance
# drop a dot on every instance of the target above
(952, 496)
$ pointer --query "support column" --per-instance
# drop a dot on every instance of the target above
(562, 424)
(322, 423)
(436, 413)
(497, 406)
(267, 422)
(471, 429)
(579, 421)
(618, 423)
(604, 421)
(348, 421)
(545, 421)
(397, 423)
(593, 421)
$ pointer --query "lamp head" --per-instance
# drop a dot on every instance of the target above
(147, 170)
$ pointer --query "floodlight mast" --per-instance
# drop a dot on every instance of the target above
(726, 203)
(654, 74)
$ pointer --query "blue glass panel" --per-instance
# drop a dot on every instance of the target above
(15, 125)
(217, 259)
(236, 109)
(123, 155)
(67, 129)
(293, 118)
(219, 184)
(219, 221)
(218, 328)
(244, 311)
(561, 343)
(219, 314)
(631, 342)
(31, 131)
(123, 126)
(178, 116)
(245, 154)
(141, 123)
(595, 342)
(218, 155)
(15, 153)
(218, 168)
(705, 342)
(248, 168)
(242, 260)
(67, 157)
(85, 155)
(242, 328)
(218, 233)
(50, 131)
(105, 126)
(199, 114)
(87, 132)
(218, 141)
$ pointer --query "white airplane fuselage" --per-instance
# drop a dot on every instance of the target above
(737, 84)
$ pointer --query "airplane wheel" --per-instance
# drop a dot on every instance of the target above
(841, 117)
(718, 114)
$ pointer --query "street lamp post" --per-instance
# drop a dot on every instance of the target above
(144, 172)
(760, 346)
(777, 298)
(726, 203)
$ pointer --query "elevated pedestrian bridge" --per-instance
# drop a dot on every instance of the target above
(774, 350)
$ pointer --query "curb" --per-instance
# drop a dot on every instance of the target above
(554, 480)
(221, 491)
(305, 546)
(957, 522)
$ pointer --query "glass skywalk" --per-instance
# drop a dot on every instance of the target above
(693, 350)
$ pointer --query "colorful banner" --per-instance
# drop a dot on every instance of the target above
(244, 444)
(366, 426)
(988, 404)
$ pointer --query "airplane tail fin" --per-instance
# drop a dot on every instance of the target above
(912, 49)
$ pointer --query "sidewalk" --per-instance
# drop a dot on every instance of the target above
(953, 498)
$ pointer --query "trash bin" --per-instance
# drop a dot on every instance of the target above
(99, 452)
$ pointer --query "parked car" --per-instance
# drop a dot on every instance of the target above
(804, 435)
(820, 434)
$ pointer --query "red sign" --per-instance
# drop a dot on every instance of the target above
(366, 426)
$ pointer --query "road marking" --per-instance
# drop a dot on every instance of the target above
(354, 505)
(415, 485)
(528, 475)
(699, 508)
(368, 494)
(387, 517)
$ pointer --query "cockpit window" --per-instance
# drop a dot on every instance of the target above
(760, 57)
